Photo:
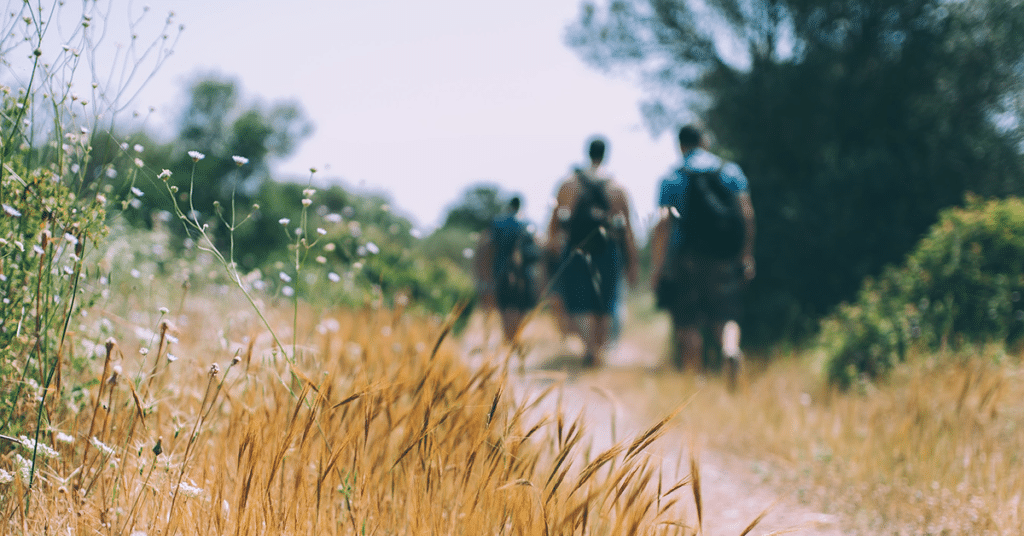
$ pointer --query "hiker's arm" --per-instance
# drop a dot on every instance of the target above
(659, 245)
(632, 257)
(556, 233)
(750, 230)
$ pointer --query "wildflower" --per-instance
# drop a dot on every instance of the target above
(137, 192)
(124, 146)
(64, 438)
(333, 277)
(75, 168)
(312, 170)
(329, 247)
(138, 148)
(288, 291)
(102, 447)
(284, 221)
(11, 211)
(139, 162)
(171, 358)
(196, 156)
(214, 369)
(309, 192)
(372, 248)
(321, 231)
(307, 202)
(415, 233)
(68, 270)
(320, 259)
(5, 477)
(333, 218)
(240, 160)
(24, 467)
(164, 310)
(72, 239)
(41, 448)
(165, 174)
(189, 490)
(285, 277)
(38, 250)
(111, 173)
(467, 253)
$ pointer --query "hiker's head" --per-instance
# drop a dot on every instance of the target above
(690, 137)
(596, 149)
(514, 204)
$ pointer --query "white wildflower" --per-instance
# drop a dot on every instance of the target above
(164, 310)
(240, 160)
(124, 146)
(165, 174)
(72, 239)
(307, 202)
(137, 192)
(111, 173)
(321, 231)
(288, 291)
(5, 477)
(138, 148)
(372, 248)
(171, 358)
(320, 259)
(285, 277)
(11, 211)
(139, 163)
(333, 277)
(41, 448)
(24, 467)
(39, 250)
(101, 446)
(64, 438)
(284, 221)
(309, 192)
(196, 156)
(333, 218)
(468, 253)
(189, 490)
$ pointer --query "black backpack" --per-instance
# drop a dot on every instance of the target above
(515, 263)
(713, 223)
(588, 227)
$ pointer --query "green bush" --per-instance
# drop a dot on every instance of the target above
(961, 284)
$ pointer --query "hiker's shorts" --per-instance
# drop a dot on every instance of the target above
(699, 291)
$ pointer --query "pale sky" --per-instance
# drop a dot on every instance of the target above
(420, 99)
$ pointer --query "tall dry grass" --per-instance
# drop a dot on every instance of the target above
(937, 449)
(198, 425)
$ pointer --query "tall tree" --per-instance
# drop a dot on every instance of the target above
(856, 120)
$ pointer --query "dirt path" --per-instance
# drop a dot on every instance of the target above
(611, 398)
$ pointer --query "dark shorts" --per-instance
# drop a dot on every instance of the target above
(699, 291)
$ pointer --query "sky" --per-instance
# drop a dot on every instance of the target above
(419, 99)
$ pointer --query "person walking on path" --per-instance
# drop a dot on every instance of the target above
(591, 235)
(506, 264)
(702, 252)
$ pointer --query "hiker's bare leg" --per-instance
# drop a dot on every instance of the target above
(511, 319)
(593, 330)
(690, 345)
(729, 337)
(565, 323)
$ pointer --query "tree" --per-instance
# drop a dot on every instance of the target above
(856, 120)
(479, 204)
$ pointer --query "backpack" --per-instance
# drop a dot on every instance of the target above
(713, 224)
(588, 227)
(515, 258)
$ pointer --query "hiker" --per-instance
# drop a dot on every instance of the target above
(591, 235)
(702, 259)
(506, 268)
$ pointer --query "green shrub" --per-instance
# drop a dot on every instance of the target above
(961, 284)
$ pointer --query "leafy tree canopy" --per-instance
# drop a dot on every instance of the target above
(855, 120)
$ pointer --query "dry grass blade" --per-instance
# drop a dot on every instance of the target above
(695, 473)
(655, 431)
(757, 520)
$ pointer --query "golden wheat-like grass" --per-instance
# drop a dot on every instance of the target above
(375, 426)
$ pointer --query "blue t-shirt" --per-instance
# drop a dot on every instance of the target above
(672, 192)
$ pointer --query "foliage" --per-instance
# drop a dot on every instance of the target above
(961, 284)
(856, 121)
(479, 204)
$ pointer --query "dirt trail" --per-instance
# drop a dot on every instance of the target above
(610, 398)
